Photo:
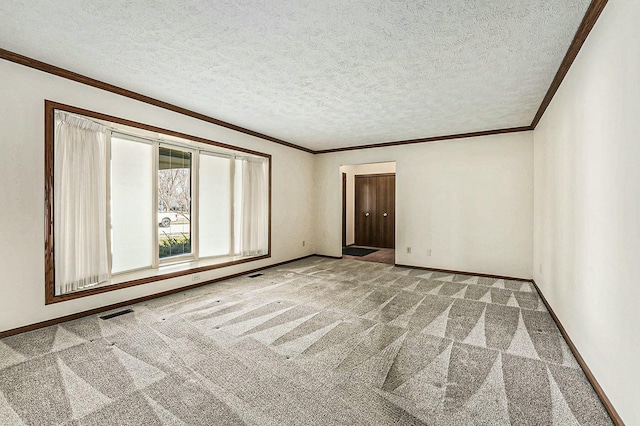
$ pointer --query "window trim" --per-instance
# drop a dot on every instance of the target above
(49, 255)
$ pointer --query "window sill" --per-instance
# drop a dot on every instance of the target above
(170, 268)
(145, 276)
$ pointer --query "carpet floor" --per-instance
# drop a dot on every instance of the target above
(316, 341)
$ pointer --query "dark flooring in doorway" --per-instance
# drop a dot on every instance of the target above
(381, 255)
(357, 251)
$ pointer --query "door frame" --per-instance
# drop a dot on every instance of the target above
(344, 209)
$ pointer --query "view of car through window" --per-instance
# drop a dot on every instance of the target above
(174, 202)
(165, 219)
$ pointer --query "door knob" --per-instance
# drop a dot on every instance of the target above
(384, 214)
(367, 214)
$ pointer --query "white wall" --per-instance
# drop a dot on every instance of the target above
(351, 171)
(23, 91)
(587, 204)
(468, 200)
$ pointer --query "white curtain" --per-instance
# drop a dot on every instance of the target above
(80, 203)
(254, 214)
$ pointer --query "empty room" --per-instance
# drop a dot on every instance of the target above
(320, 213)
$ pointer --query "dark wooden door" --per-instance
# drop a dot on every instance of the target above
(386, 210)
(375, 213)
(366, 224)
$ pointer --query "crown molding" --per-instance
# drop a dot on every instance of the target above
(70, 75)
(591, 16)
(429, 139)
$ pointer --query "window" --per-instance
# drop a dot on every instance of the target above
(134, 204)
(174, 202)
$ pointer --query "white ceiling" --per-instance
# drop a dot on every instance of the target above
(320, 74)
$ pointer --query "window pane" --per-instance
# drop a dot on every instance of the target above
(174, 202)
(131, 205)
(214, 205)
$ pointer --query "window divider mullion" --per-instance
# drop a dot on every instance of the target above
(232, 195)
(108, 224)
(195, 205)
(154, 209)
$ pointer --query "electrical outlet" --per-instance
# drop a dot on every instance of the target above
(428, 252)
(195, 277)
(408, 250)
(303, 243)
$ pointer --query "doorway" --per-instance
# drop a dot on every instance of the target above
(369, 212)
(375, 210)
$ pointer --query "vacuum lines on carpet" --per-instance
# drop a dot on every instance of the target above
(317, 341)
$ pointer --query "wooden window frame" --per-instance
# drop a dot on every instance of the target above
(49, 254)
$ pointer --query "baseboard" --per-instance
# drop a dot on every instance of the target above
(327, 256)
(449, 271)
(617, 420)
(615, 417)
(94, 311)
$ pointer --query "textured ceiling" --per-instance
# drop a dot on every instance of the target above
(320, 74)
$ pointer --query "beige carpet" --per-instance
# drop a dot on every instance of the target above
(313, 342)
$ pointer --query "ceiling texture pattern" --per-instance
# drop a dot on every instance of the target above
(319, 74)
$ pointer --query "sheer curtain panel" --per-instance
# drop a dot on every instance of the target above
(80, 182)
(254, 197)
